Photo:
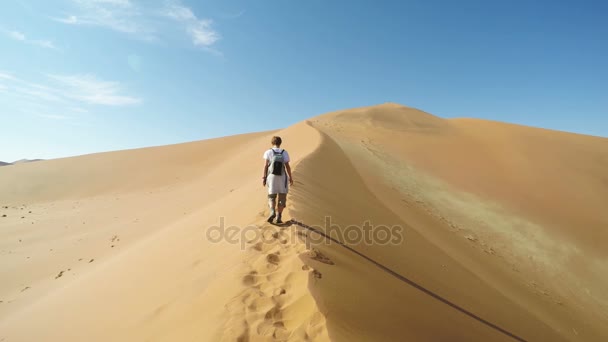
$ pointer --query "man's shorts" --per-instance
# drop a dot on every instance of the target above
(282, 198)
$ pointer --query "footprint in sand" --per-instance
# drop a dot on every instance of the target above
(251, 279)
(260, 303)
(281, 333)
(268, 326)
(262, 246)
(279, 292)
(273, 258)
(280, 237)
(244, 337)
(320, 257)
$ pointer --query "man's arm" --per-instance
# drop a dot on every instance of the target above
(266, 164)
(288, 168)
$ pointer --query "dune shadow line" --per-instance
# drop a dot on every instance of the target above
(411, 282)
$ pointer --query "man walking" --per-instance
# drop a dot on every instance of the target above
(277, 176)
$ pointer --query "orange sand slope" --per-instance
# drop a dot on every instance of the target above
(479, 231)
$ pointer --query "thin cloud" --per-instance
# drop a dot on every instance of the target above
(65, 99)
(21, 37)
(89, 89)
(232, 15)
(200, 30)
(36, 91)
(128, 17)
(118, 15)
(6, 76)
(16, 35)
(68, 91)
(53, 116)
(72, 19)
(202, 33)
(29, 91)
(44, 43)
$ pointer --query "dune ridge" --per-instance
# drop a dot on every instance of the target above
(167, 281)
(530, 246)
(117, 243)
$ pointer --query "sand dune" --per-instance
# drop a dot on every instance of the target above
(22, 161)
(502, 228)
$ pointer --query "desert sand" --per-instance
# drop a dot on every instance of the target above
(502, 228)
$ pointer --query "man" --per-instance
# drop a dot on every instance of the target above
(277, 174)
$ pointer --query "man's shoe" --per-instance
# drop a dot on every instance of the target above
(271, 217)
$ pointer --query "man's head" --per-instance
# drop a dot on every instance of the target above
(276, 141)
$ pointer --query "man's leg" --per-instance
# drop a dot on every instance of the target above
(281, 206)
(272, 199)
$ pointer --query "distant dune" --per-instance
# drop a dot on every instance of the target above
(503, 235)
(22, 161)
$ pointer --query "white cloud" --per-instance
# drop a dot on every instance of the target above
(72, 19)
(89, 89)
(203, 34)
(179, 12)
(16, 35)
(65, 99)
(126, 16)
(37, 91)
(6, 76)
(20, 36)
(69, 91)
(117, 15)
(232, 15)
(124, 3)
(200, 30)
(53, 116)
(44, 43)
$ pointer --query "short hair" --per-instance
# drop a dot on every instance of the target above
(276, 141)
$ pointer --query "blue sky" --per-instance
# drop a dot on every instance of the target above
(82, 76)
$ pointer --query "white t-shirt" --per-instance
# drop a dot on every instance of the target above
(268, 154)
